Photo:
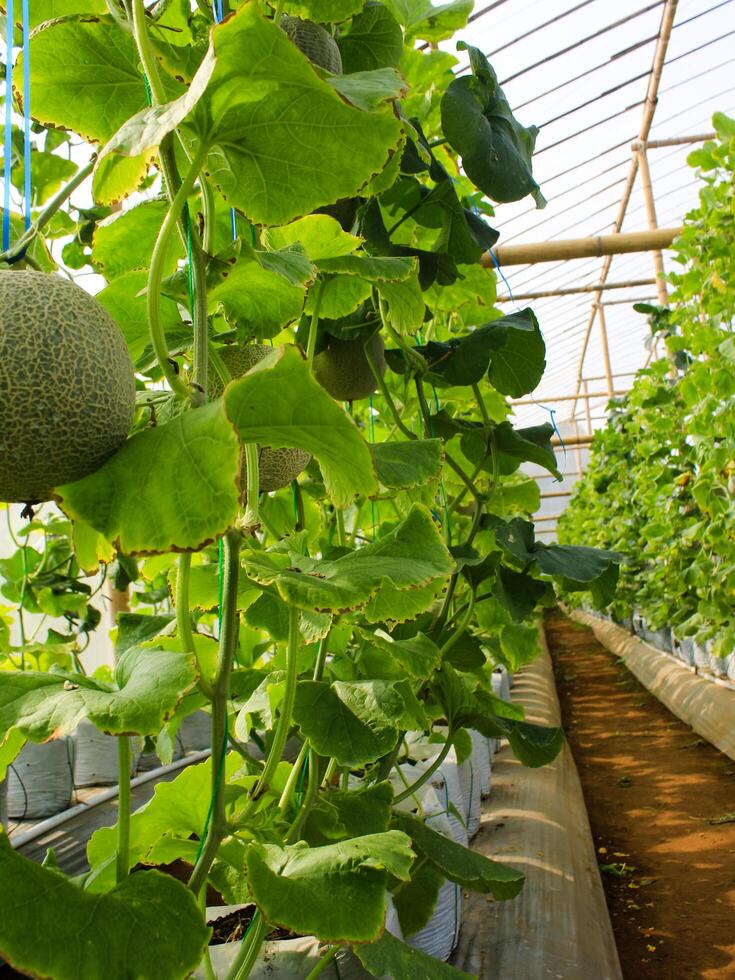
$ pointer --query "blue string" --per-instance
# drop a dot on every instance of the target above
(218, 12)
(27, 111)
(8, 124)
(374, 509)
(502, 276)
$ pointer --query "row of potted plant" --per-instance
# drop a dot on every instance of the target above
(660, 487)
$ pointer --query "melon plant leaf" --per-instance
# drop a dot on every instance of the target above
(324, 11)
(518, 592)
(38, 250)
(204, 588)
(177, 810)
(340, 296)
(416, 902)
(372, 39)
(405, 301)
(44, 10)
(462, 865)
(390, 957)
(72, 62)
(320, 235)
(354, 722)
(369, 90)
(391, 605)
(149, 926)
(124, 241)
(336, 892)
(340, 814)
(417, 656)
(134, 629)
(512, 447)
(49, 172)
(533, 745)
(576, 562)
(479, 125)
(257, 297)
(373, 269)
(149, 684)
(264, 91)
(402, 465)
(423, 19)
(133, 500)
(409, 557)
(278, 403)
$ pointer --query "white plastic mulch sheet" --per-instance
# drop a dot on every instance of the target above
(95, 756)
(41, 780)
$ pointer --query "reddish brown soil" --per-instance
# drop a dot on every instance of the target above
(653, 791)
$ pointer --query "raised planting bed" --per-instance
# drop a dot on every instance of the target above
(708, 707)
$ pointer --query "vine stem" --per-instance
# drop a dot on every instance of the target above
(314, 325)
(145, 52)
(249, 948)
(50, 210)
(451, 462)
(427, 774)
(383, 388)
(286, 709)
(155, 275)
(123, 812)
(227, 644)
(323, 963)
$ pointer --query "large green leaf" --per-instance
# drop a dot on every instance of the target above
(417, 656)
(477, 121)
(49, 172)
(371, 40)
(429, 21)
(320, 235)
(354, 722)
(149, 684)
(389, 957)
(43, 10)
(410, 556)
(460, 864)
(173, 487)
(369, 90)
(283, 142)
(85, 76)
(148, 927)
(256, 297)
(278, 403)
(324, 11)
(340, 814)
(125, 241)
(336, 892)
(402, 465)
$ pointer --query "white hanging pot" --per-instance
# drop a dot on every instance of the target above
(95, 756)
(469, 783)
(481, 758)
(195, 732)
(279, 959)
(41, 780)
(701, 658)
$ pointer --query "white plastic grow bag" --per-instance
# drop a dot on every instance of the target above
(95, 756)
(445, 782)
(41, 780)
(4, 804)
(469, 783)
(701, 658)
(481, 757)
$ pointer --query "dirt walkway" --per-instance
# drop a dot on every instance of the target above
(662, 808)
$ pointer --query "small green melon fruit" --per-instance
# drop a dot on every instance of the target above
(315, 42)
(343, 370)
(67, 387)
(277, 467)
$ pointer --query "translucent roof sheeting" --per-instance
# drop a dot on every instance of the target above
(579, 69)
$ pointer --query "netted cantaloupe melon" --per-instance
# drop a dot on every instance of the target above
(277, 467)
(315, 42)
(67, 388)
(343, 369)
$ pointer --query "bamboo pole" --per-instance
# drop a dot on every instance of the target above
(605, 348)
(656, 255)
(649, 109)
(582, 248)
(584, 440)
(587, 407)
(627, 301)
(569, 398)
(573, 290)
(556, 493)
(672, 141)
